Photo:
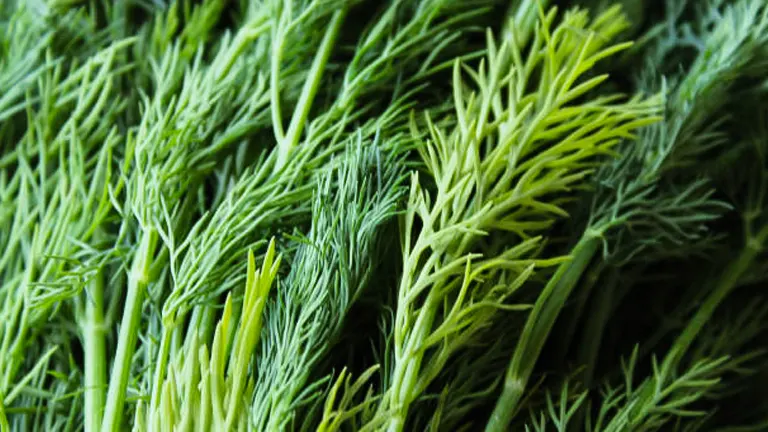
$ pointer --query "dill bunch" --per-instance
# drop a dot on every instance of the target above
(441, 215)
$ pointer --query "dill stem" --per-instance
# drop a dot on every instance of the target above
(309, 90)
(169, 325)
(129, 329)
(160, 365)
(202, 320)
(408, 366)
(725, 285)
(593, 335)
(201, 324)
(537, 327)
(591, 278)
(95, 354)
(595, 327)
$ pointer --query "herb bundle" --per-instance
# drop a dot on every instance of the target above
(403, 215)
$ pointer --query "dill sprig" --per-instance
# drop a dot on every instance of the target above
(512, 144)
(332, 268)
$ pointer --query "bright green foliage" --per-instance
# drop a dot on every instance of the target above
(210, 388)
(364, 215)
(512, 145)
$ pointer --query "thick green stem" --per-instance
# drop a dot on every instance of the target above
(95, 354)
(129, 329)
(591, 341)
(308, 92)
(406, 374)
(201, 323)
(537, 327)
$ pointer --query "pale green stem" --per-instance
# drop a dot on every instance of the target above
(129, 329)
(408, 366)
(201, 323)
(119, 16)
(308, 92)
(4, 425)
(274, 84)
(160, 365)
(537, 327)
(95, 355)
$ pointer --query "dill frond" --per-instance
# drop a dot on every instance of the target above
(330, 271)
(512, 143)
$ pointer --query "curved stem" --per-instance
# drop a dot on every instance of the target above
(595, 327)
(592, 337)
(161, 364)
(537, 327)
(577, 310)
(407, 368)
